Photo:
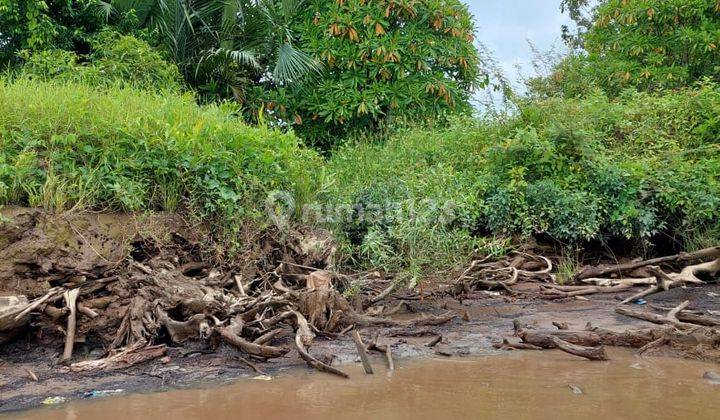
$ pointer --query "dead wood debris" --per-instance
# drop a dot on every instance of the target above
(502, 274)
(137, 307)
(505, 273)
(689, 338)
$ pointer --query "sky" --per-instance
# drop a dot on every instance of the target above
(504, 26)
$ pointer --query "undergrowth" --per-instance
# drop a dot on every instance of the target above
(641, 168)
(572, 171)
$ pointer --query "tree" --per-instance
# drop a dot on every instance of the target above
(383, 61)
(650, 44)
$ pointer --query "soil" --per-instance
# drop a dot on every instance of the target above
(40, 251)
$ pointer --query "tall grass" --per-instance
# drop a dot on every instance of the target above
(67, 145)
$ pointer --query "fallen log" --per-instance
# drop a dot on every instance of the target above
(362, 352)
(545, 338)
(670, 318)
(561, 292)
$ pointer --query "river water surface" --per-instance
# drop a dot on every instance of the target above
(518, 385)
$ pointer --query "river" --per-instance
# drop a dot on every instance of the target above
(517, 385)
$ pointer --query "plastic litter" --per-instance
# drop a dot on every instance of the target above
(54, 400)
(575, 389)
(640, 301)
(712, 377)
(103, 393)
(262, 378)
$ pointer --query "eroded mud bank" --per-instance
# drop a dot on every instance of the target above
(155, 310)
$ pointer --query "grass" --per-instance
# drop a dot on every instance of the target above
(70, 146)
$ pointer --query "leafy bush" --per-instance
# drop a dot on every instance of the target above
(37, 25)
(116, 60)
(634, 168)
(66, 145)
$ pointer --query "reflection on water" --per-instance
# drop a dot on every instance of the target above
(520, 385)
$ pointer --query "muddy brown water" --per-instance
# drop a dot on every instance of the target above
(524, 385)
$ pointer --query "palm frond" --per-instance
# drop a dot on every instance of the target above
(293, 65)
(105, 8)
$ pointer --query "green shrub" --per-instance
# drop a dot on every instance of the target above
(637, 167)
(67, 145)
(116, 60)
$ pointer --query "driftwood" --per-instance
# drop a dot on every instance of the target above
(303, 338)
(666, 281)
(670, 318)
(704, 254)
(544, 338)
(434, 341)
(249, 347)
(10, 325)
(373, 345)
(507, 345)
(71, 302)
(591, 353)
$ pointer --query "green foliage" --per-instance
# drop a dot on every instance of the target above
(384, 62)
(120, 149)
(414, 199)
(643, 44)
(655, 44)
(637, 167)
(37, 25)
(223, 48)
(116, 60)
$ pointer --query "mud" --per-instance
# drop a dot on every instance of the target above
(490, 318)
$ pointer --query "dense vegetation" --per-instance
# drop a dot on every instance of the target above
(122, 105)
(644, 166)
(122, 149)
(641, 44)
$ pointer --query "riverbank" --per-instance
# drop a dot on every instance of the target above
(152, 312)
(491, 318)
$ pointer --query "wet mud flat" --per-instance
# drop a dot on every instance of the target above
(537, 385)
(490, 319)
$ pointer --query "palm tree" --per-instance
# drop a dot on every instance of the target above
(224, 46)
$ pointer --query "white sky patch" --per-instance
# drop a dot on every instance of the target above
(506, 26)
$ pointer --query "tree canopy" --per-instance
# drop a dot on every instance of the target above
(643, 44)
(381, 61)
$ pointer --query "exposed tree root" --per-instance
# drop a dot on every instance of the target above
(132, 355)
(591, 272)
